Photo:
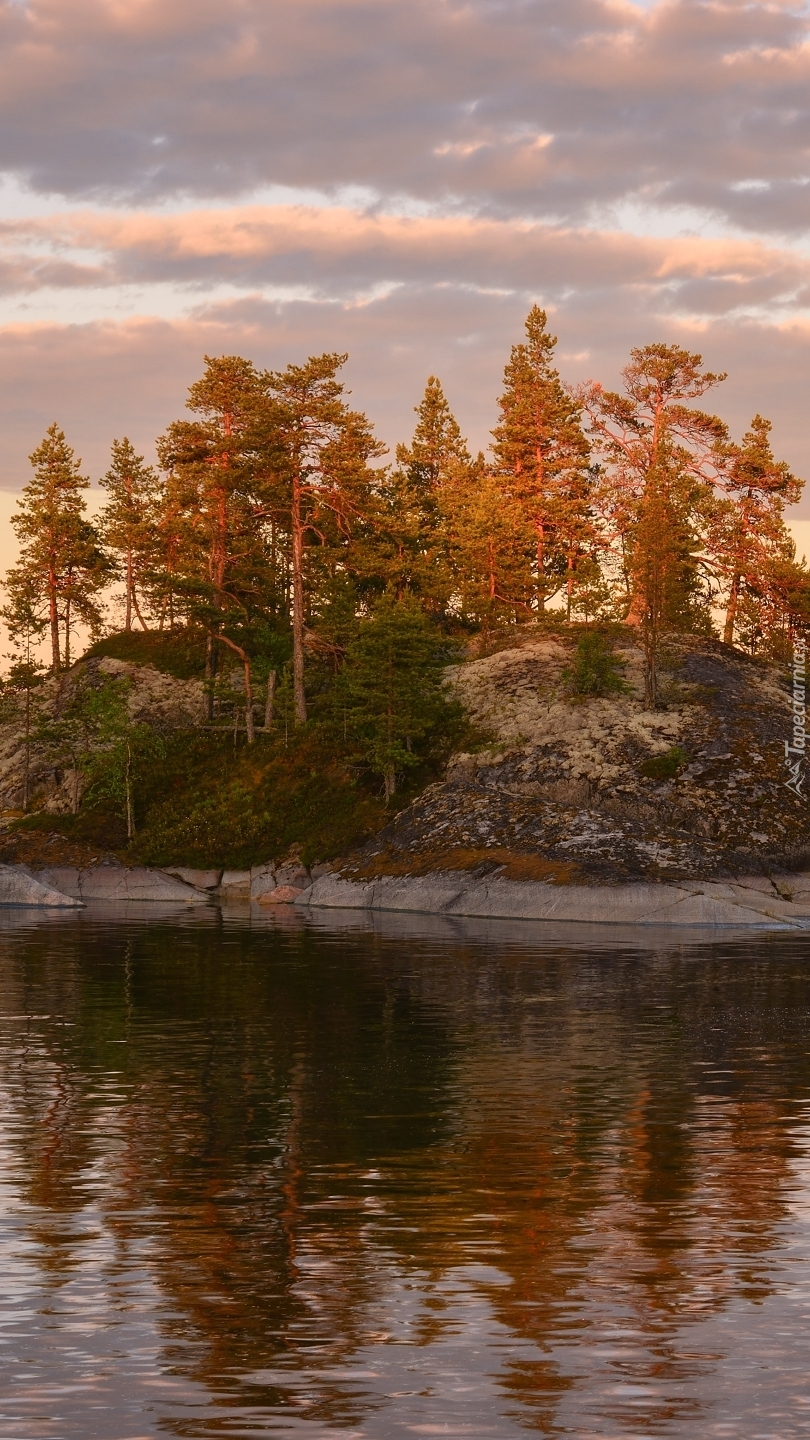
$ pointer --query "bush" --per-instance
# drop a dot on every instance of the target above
(596, 670)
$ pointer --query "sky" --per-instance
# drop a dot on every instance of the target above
(400, 180)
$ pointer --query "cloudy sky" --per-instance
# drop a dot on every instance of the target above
(401, 179)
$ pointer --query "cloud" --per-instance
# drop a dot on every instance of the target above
(535, 108)
(343, 255)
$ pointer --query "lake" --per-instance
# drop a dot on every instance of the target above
(391, 1176)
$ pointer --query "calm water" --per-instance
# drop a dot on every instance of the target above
(285, 1180)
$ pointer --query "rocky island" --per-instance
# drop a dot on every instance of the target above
(570, 808)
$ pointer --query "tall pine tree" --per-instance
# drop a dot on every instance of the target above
(128, 524)
(542, 456)
(60, 562)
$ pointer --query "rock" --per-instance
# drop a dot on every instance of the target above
(117, 883)
(235, 884)
(19, 887)
(640, 904)
(281, 895)
(199, 879)
(262, 884)
(316, 871)
(296, 874)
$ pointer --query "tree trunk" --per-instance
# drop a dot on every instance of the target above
(128, 613)
(53, 613)
(128, 788)
(299, 694)
(27, 772)
(541, 567)
(245, 658)
(731, 613)
(210, 675)
(269, 704)
(67, 632)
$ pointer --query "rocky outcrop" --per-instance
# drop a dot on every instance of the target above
(782, 905)
(562, 795)
(162, 701)
(19, 887)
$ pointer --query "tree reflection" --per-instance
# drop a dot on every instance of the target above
(291, 1131)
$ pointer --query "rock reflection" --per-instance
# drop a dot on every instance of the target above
(376, 1189)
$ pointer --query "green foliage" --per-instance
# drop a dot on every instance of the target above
(180, 653)
(666, 766)
(211, 804)
(390, 692)
(121, 749)
(596, 670)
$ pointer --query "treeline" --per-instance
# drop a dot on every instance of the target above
(274, 528)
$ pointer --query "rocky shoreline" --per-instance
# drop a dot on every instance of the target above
(780, 902)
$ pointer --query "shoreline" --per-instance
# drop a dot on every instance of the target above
(752, 902)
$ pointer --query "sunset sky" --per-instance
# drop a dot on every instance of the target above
(401, 179)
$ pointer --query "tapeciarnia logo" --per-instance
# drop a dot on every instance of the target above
(795, 749)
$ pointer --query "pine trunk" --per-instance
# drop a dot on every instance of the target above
(731, 613)
(299, 694)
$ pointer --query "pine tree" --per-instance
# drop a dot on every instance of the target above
(323, 481)
(542, 455)
(215, 497)
(660, 461)
(26, 624)
(487, 554)
(750, 537)
(128, 524)
(60, 556)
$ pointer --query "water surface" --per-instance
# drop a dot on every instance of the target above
(400, 1178)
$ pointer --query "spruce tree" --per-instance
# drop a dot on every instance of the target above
(542, 457)
(436, 458)
(128, 524)
(389, 692)
(60, 558)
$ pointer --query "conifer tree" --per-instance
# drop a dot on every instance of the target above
(389, 690)
(542, 455)
(750, 537)
(413, 511)
(661, 459)
(128, 523)
(488, 558)
(216, 495)
(60, 558)
(322, 480)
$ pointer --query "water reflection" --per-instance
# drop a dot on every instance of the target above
(270, 1177)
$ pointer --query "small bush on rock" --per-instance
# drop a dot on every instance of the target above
(666, 766)
(596, 670)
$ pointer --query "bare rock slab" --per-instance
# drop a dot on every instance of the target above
(19, 887)
(704, 904)
(116, 883)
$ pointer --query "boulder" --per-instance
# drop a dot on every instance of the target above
(19, 887)
(235, 884)
(281, 895)
(262, 880)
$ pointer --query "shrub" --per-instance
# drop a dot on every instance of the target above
(596, 670)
